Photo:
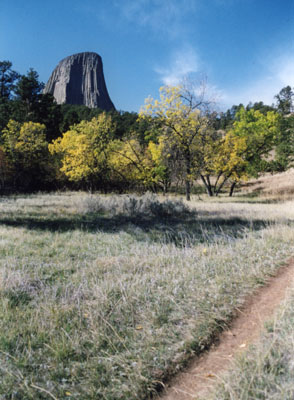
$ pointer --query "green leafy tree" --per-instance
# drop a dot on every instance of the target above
(8, 79)
(74, 114)
(30, 104)
(285, 100)
(260, 132)
(260, 106)
(225, 120)
(285, 143)
(5, 170)
(28, 92)
(48, 112)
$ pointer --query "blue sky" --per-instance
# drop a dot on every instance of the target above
(245, 48)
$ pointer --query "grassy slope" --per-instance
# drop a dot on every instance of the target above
(275, 187)
(104, 305)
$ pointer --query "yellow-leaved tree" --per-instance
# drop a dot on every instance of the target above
(26, 151)
(181, 115)
(132, 162)
(84, 151)
(230, 161)
(240, 153)
(167, 162)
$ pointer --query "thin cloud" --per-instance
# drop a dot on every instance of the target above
(184, 62)
(186, 68)
(264, 89)
(285, 72)
(164, 16)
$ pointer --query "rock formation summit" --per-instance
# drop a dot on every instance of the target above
(79, 79)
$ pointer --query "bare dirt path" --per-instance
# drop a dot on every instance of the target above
(202, 373)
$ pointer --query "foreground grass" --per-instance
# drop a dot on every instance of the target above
(103, 298)
(267, 370)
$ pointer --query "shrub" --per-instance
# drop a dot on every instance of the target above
(147, 205)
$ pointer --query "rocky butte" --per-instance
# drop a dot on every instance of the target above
(79, 79)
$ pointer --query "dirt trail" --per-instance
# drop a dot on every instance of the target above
(202, 373)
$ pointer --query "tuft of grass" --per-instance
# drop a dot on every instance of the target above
(266, 371)
(108, 302)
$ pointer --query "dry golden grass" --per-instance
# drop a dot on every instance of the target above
(266, 371)
(277, 187)
(103, 300)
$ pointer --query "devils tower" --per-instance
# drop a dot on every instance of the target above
(79, 79)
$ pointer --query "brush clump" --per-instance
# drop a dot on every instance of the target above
(135, 206)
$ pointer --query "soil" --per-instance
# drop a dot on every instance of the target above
(198, 379)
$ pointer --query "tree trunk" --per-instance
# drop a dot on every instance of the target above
(217, 192)
(207, 186)
(165, 187)
(233, 185)
(222, 184)
(188, 174)
(188, 190)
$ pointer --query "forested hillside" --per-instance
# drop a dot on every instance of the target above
(178, 142)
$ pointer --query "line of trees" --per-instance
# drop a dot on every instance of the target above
(175, 140)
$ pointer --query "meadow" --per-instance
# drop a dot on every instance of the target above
(106, 297)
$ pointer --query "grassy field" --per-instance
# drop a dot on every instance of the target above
(105, 297)
(267, 370)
